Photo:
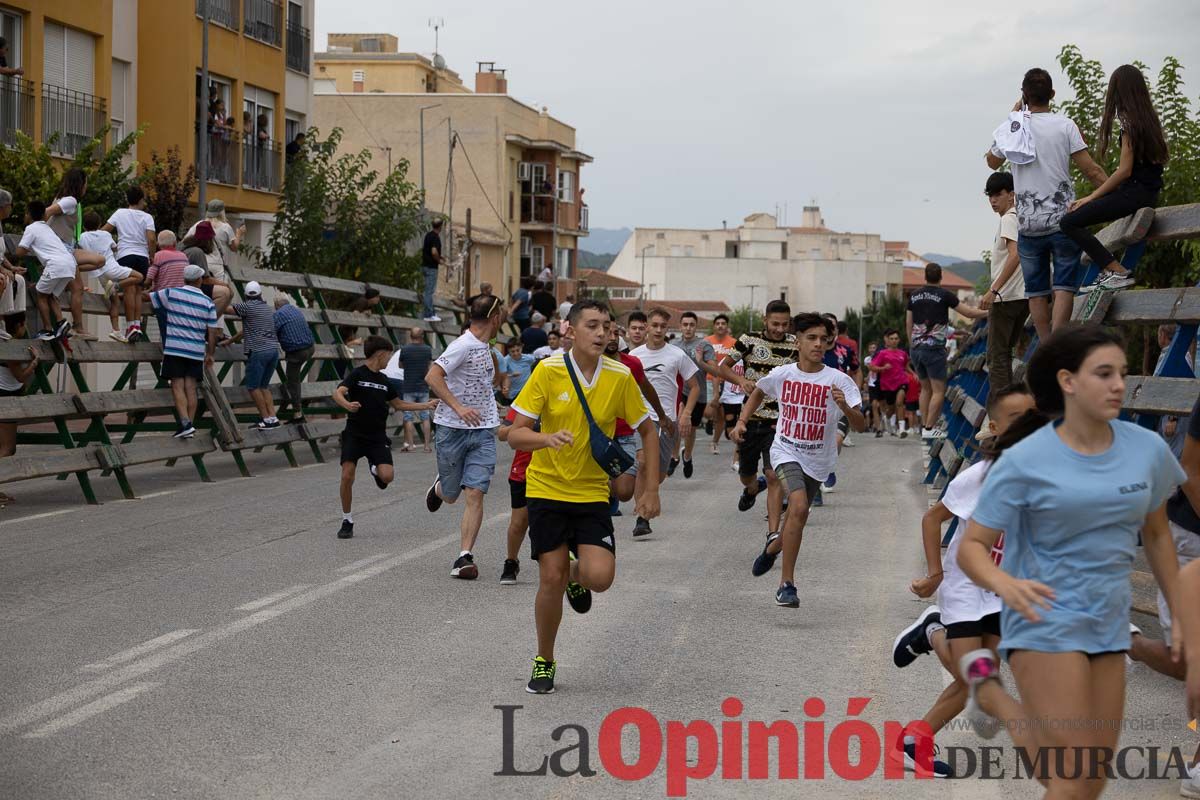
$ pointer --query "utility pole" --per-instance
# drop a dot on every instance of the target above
(751, 287)
(449, 187)
(202, 124)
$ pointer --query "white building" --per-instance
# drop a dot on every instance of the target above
(811, 267)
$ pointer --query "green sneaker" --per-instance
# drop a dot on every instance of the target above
(542, 681)
(579, 597)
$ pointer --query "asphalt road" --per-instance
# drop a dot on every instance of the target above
(217, 641)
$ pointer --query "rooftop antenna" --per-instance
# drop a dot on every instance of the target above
(437, 23)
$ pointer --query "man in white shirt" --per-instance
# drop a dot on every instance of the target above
(462, 378)
(1005, 299)
(662, 365)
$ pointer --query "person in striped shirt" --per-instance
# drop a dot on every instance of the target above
(262, 351)
(189, 340)
(166, 271)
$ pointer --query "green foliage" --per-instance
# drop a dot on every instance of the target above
(27, 171)
(109, 172)
(745, 320)
(168, 189)
(337, 218)
(875, 319)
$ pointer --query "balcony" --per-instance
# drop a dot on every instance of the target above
(71, 118)
(16, 109)
(262, 165)
(539, 210)
(223, 151)
(222, 12)
(298, 43)
(264, 21)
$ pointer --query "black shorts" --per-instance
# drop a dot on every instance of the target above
(516, 491)
(888, 398)
(914, 406)
(732, 410)
(207, 288)
(844, 426)
(136, 263)
(988, 626)
(756, 444)
(874, 393)
(179, 367)
(697, 413)
(553, 522)
(12, 392)
(374, 451)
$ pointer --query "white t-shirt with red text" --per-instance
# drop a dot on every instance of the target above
(959, 599)
(808, 416)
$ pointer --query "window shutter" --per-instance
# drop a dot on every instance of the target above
(81, 62)
(54, 55)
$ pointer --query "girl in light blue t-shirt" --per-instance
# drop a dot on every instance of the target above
(1070, 499)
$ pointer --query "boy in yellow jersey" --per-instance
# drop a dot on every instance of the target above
(567, 491)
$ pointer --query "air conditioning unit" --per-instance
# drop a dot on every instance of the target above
(523, 171)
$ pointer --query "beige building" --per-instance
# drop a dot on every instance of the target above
(811, 267)
(514, 168)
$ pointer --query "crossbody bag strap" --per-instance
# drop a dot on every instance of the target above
(578, 389)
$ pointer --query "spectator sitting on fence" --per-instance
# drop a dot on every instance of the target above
(65, 217)
(415, 358)
(167, 269)
(262, 351)
(119, 281)
(59, 266)
(14, 377)
(199, 247)
(296, 339)
(367, 305)
(189, 340)
(134, 230)
(13, 296)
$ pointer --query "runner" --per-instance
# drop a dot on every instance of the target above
(569, 524)
(663, 364)
(966, 618)
(812, 397)
(1070, 500)
(732, 397)
(518, 521)
(704, 356)
(873, 393)
(890, 363)
(760, 353)
(841, 353)
(462, 378)
(625, 485)
(722, 344)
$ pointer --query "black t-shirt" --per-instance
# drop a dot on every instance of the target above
(544, 303)
(1179, 510)
(930, 307)
(432, 240)
(373, 390)
(415, 360)
(533, 338)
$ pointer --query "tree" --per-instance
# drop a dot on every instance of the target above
(336, 217)
(745, 320)
(876, 318)
(168, 189)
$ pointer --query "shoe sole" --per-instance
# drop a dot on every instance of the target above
(639, 533)
(465, 573)
(921, 620)
(345, 535)
(787, 605)
(508, 582)
(535, 691)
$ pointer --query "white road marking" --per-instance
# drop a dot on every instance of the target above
(43, 515)
(137, 651)
(362, 562)
(109, 701)
(254, 605)
(157, 494)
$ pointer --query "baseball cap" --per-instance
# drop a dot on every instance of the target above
(253, 289)
(216, 207)
(193, 273)
(204, 231)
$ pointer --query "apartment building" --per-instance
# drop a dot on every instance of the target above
(514, 167)
(811, 266)
(136, 63)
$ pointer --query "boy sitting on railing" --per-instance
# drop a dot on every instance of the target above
(58, 263)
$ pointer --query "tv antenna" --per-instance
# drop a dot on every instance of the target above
(437, 23)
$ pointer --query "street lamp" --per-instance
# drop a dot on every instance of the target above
(644, 249)
(751, 287)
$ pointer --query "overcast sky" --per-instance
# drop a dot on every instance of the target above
(698, 112)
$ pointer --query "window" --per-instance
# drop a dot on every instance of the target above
(10, 29)
(69, 59)
(213, 107)
(71, 113)
(783, 293)
(562, 263)
(783, 250)
(537, 260)
(16, 93)
(370, 45)
(878, 295)
(537, 176)
(261, 167)
(731, 249)
(360, 76)
(566, 187)
(293, 124)
(120, 90)
(511, 206)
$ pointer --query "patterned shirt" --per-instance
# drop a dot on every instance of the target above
(167, 270)
(291, 329)
(189, 316)
(760, 355)
(258, 326)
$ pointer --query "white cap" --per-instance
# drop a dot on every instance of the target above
(193, 272)
(253, 289)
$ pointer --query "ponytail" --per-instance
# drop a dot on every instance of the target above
(1028, 423)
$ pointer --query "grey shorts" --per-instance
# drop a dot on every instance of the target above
(666, 447)
(630, 444)
(929, 363)
(793, 478)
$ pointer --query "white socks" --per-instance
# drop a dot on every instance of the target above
(346, 516)
(464, 553)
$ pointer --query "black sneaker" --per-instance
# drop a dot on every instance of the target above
(671, 467)
(432, 501)
(912, 641)
(347, 529)
(464, 567)
(508, 576)
(186, 431)
(688, 468)
(907, 753)
(765, 560)
(786, 596)
(642, 527)
(63, 328)
(542, 681)
(878, 434)
(579, 597)
(746, 502)
(708, 427)
(378, 481)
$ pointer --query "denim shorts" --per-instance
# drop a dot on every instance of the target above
(1036, 252)
(630, 445)
(259, 368)
(415, 397)
(466, 459)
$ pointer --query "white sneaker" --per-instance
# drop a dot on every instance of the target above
(5, 335)
(1190, 786)
(434, 318)
(117, 336)
(847, 442)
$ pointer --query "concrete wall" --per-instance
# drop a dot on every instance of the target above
(407, 74)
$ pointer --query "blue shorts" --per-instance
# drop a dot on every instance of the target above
(929, 362)
(259, 367)
(466, 459)
(1035, 253)
(415, 397)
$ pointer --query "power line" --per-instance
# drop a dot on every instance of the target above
(360, 122)
(503, 224)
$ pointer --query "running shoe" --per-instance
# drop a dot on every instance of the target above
(464, 567)
(907, 753)
(374, 474)
(347, 529)
(831, 481)
(579, 597)
(508, 576)
(819, 500)
(671, 467)
(765, 560)
(642, 527)
(186, 431)
(1111, 281)
(847, 441)
(433, 318)
(688, 468)
(63, 328)
(542, 681)
(1190, 786)
(976, 667)
(879, 434)
(117, 336)
(912, 641)
(45, 335)
(432, 501)
(708, 427)
(747, 501)
(786, 596)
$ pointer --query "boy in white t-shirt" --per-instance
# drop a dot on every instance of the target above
(812, 400)
(59, 264)
(966, 617)
(121, 281)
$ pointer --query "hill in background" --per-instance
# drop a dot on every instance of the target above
(940, 258)
(606, 240)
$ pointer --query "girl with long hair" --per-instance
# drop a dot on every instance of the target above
(1136, 181)
(65, 218)
(1070, 500)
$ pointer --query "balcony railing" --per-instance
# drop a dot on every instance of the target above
(262, 165)
(76, 118)
(16, 109)
(264, 21)
(222, 12)
(583, 218)
(298, 43)
(540, 188)
(223, 152)
(538, 210)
